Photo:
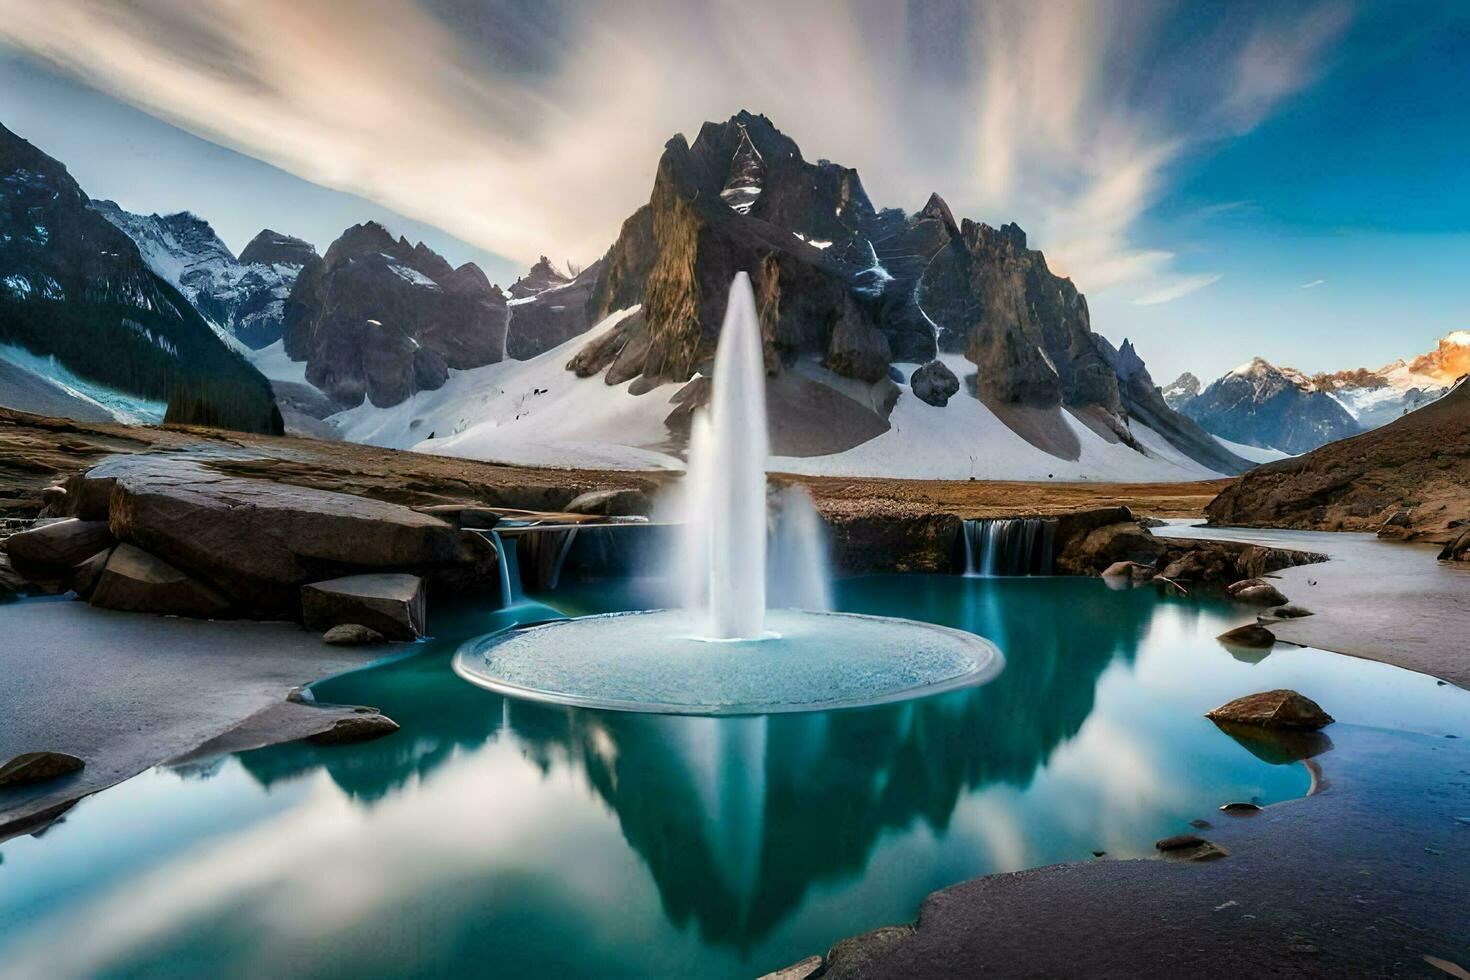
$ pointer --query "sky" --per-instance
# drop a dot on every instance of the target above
(1222, 180)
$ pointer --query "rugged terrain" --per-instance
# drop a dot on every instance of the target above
(79, 306)
(1409, 479)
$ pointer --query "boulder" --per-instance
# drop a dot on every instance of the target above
(856, 954)
(50, 551)
(1252, 635)
(259, 542)
(1288, 611)
(1190, 847)
(85, 576)
(11, 582)
(132, 580)
(1129, 571)
(36, 767)
(934, 383)
(352, 635)
(390, 603)
(356, 728)
(1458, 549)
(1260, 595)
(1272, 709)
(1235, 587)
(621, 502)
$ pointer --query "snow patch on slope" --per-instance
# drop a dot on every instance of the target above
(533, 412)
(119, 405)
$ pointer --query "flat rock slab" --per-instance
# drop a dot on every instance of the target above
(390, 603)
(258, 542)
(127, 692)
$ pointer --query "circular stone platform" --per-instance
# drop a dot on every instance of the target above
(652, 662)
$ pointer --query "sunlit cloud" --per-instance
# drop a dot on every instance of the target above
(1176, 288)
(1312, 285)
(537, 127)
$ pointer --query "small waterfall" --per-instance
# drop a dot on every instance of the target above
(1008, 546)
(797, 576)
(510, 569)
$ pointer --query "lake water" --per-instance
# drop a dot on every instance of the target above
(505, 838)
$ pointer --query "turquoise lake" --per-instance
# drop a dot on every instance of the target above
(506, 838)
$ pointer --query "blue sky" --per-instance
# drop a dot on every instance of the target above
(1222, 180)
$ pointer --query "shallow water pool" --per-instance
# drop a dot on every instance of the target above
(509, 838)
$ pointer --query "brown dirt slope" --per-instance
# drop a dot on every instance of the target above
(1409, 479)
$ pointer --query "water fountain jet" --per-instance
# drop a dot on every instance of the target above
(663, 661)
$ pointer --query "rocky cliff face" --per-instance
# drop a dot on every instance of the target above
(1408, 479)
(1259, 404)
(75, 288)
(852, 288)
(379, 319)
(244, 298)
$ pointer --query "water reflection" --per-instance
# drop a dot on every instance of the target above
(738, 818)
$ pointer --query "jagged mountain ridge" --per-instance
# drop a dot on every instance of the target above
(1370, 398)
(76, 291)
(244, 297)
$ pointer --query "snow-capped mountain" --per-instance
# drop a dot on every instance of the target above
(1180, 390)
(1378, 397)
(898, 344)
(244, 298)
(1261, 405)
(87, 329)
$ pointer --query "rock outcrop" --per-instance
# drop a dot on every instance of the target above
(379, 318)
(256, 543)
(1418, 466)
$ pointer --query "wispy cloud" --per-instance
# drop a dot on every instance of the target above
(1177, 287)
(1312, 285)
(1050, 114)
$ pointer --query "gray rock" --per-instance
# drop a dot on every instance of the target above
(352, 635)
(1245, 583)
(85, 576)
(853, 955)
(1251, 635)
(135, 581)
(621, 502)
(934, 383)
(390, 603)
(259, 542)
(36, 767)
(11, 582)
(1178, 842)
(1272, 709)
(803, 970)
(1288, 611)
(356, 728)
(1261, 595)
(50, 551)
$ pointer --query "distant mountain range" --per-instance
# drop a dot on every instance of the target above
(1279, 408)
(900, 344)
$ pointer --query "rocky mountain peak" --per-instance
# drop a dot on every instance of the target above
(541, 277)
(274, 248)
(1181, 390)
(937, 209)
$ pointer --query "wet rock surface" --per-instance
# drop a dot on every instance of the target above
(38, 767)
(1251, 636)
(362, 727)
(1273, 709)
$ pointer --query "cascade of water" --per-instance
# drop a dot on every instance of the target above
(510, 569)
(727, 478)
(1008, 546)
(798, 574)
